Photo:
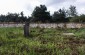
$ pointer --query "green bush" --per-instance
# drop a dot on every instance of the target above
(80, 18)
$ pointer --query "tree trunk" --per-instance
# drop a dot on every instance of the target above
(26, 29)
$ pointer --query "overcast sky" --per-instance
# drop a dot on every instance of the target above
(27, 6)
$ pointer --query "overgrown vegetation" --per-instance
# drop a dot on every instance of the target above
(42, 42)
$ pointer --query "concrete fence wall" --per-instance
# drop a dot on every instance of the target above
(59, 25)
(47, 25)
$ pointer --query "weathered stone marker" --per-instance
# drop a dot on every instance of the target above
(26, 29)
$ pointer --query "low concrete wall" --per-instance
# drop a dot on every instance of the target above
(59, 25)
(47, 25)
(11, 25)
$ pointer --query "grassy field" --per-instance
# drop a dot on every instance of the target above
(42, 42)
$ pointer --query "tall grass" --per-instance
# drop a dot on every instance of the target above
(42, 42)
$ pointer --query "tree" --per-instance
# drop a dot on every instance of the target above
(59, 16)
(22, 17)
(72, 11)
(41, 14)
(12, 17)
(2, 18)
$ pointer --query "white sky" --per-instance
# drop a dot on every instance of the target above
(27, 6)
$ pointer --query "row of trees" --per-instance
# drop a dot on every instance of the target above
(13, 17)
(40, 14)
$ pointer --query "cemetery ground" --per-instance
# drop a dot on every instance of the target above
(42, 41)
